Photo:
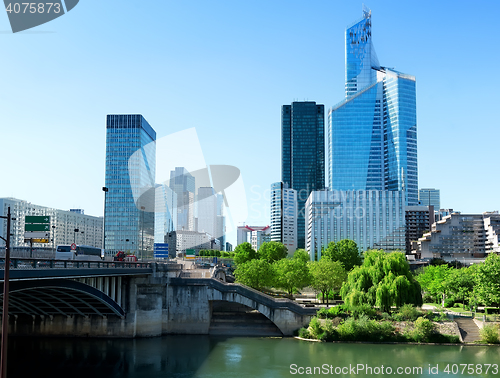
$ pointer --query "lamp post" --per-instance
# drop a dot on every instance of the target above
(83, 236)
(54, 237)
(5, 312)
(74, 235)
(105, 190)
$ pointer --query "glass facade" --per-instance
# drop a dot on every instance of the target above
(130, 179)
(284, 216)
(182, 183)
(302, 154)
(372, 134)
(430, 197)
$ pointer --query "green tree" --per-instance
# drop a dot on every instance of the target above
(255, 273)
(326, 275)
(302, 255)
(272, 251)
(433, 279)
(459, 284)
(346, 251)
(244, 253)
(291, 275)
(488, 280)
(384, 280)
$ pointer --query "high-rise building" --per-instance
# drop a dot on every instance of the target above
(302, 154)
(183, 184)
(284, 215)
(165, 212)
(372, 134)
(210, 213)
(429, 197)
(130, 180)
(220, 222)
(63, 224)
(374, 219)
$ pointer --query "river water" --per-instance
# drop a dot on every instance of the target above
(240, 357)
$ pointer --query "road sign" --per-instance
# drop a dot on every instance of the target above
(36, 235)
(37, 227)
(40, 219)
(40, 240)
(160, 250)
(190, 253)
(73, 247)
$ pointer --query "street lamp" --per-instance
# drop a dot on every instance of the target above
(83, 236)
(54, 237)
(74, 235)
(5, 313)
(142, 231)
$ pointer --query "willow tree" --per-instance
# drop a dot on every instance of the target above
(384, 280)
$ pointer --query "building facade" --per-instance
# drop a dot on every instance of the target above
(210, 213)
(183, 184)
(284, 215)
(372, 134)
(429, 197)
(374, 219)
(419, 220)
(460, 237)
(63, 224)
(492, 228)
(130, 180)
(302, 154)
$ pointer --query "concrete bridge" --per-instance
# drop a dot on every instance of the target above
(105, 299)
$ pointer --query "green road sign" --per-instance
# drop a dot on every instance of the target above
(40, 219)
(37, 227)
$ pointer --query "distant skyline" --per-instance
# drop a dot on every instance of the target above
(226, 68)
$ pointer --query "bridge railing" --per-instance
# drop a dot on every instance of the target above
(248, 292)
(29, 264)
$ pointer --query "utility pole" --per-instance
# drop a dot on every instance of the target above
(5, 312)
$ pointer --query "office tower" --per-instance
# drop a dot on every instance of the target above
(220, 230)
(374, 219)
(284, 215)
(419, 220)
(209, 213)
(63, 224)
(183, 184)
(130, 180)
(165, 212)
(302, 154)
(372, 134)
(429, 197)
(245, 233)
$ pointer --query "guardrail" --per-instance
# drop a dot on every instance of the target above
(29, 264)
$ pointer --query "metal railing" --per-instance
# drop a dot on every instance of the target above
(29, 264)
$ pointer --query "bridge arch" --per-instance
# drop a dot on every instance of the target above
(59, 297)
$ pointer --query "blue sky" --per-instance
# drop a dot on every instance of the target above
(225, 68)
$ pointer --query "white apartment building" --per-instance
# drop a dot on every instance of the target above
(284, 215)
(62, 225)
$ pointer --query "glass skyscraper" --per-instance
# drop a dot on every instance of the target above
(302, 154)
(372, 133)
(130, 179)
(182, 183)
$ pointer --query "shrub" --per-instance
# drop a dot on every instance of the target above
(364, 309)
(409, 312)
(489, 334)
(364, 329)
(336, 321)
(322, 313)
(304, 333)
(386, 316)
(333, 312)
(449, 302)
(423, 329)
(315, 328)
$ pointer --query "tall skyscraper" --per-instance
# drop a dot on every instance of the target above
(429, 197)
(165, 212)
(210, 213)
(130, 179)
(284, 215)
(182, 183)
(372, 133)
(302, 154)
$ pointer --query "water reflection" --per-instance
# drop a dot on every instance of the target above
(206, 357)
